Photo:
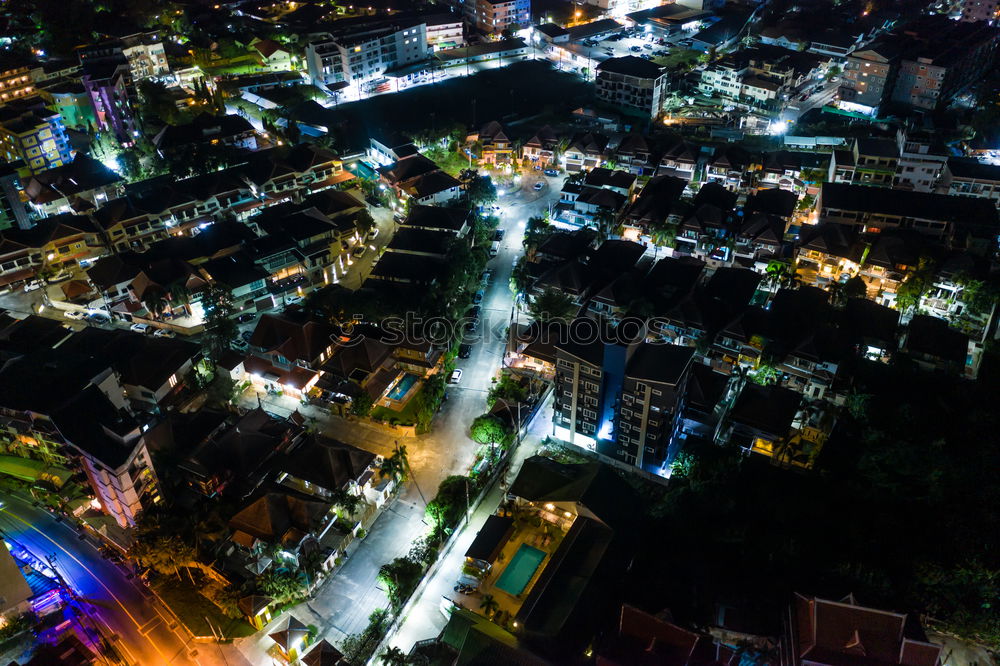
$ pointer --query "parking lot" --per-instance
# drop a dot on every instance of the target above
(634, 42)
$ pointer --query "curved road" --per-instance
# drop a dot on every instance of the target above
(145, 633)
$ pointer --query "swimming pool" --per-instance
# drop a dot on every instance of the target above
(402, 386)
(522, 567)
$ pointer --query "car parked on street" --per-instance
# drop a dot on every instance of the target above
(246, 316)
(456, 376)
(359, 251)
(75, 315)
(551, 172)
(164, 333)
(477, 297)
(373, 234)
(32, 285)
(61, 276)
(538, 186)
(464, 350)
(139, 328)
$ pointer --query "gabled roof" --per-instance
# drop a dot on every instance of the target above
(933, 337)
(592, 485)
(603, 177)
(772, 202)
(295, 633)
(429, 184)
(234, 270)
(327, 463)
(280, 518)
(294, 334)
(769, 409)
(267, 47)
(437, 217)
(836, 240)
(589, 142)
(204, 127)
(323, 654)
(844, 632)
(657, 199)
(407, 168)
(493, 131)
(81, 175)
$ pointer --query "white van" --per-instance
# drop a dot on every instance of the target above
(494, 248)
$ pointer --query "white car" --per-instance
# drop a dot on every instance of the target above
(456, 376)
(75, 315)
(373, 234)
(32, 285)
(239, 344)
(62, 276)
(359, 251)
(164, 333)
(139, 328)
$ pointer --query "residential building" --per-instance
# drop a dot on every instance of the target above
(360, 51)
(618, 398)
(933, 345)
(585, 151)
(444, 31)
(679, 159)
(597, 201)
(503, 51)
(496, 16)
(760, 421)
(13, 207)
(108, 79)
(869, 77)
(75, 401)
(79, 185)
(15, 592)
(145, 55)
(34, 135)
(822, 632)
(650, 212)
(273, 56)
(225, 130)
(967, 177)
(542, 147)
(869, 161)
(652, 392)
(635, 155)
(922, 158)
(293, 339)
(497, 148)
(72, 101)
(16, 80)
(969, 221)
(942, 60)
(633, 83)
(420, 179)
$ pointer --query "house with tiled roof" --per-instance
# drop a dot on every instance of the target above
(81, 185)
(293, 338)
(822, 632)
(497, 147)
(586, 151)
(679, 159)
(272, 55)
(542, 147)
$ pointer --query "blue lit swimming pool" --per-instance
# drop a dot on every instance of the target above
(402, 386)
(522, 567)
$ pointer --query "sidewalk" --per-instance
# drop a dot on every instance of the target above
(424, 617)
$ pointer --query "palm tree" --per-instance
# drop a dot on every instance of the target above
(396, 466)
(154, 299)
(605, 220)
(489, 605)
(394, 657)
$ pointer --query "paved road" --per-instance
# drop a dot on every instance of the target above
(343, 604)
(147, 635)
(424, 618)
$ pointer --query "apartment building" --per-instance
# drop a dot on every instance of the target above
(444, 31)
(495, 16)
(632, 83)
(109, 84)
(35, 135)
(73, 401)
(922, 159)
(868, 77)
(617, 396)
(942, 60)
(965, 177)
(361, 50)
(145, 55)
(16, 80)
(655, 380)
